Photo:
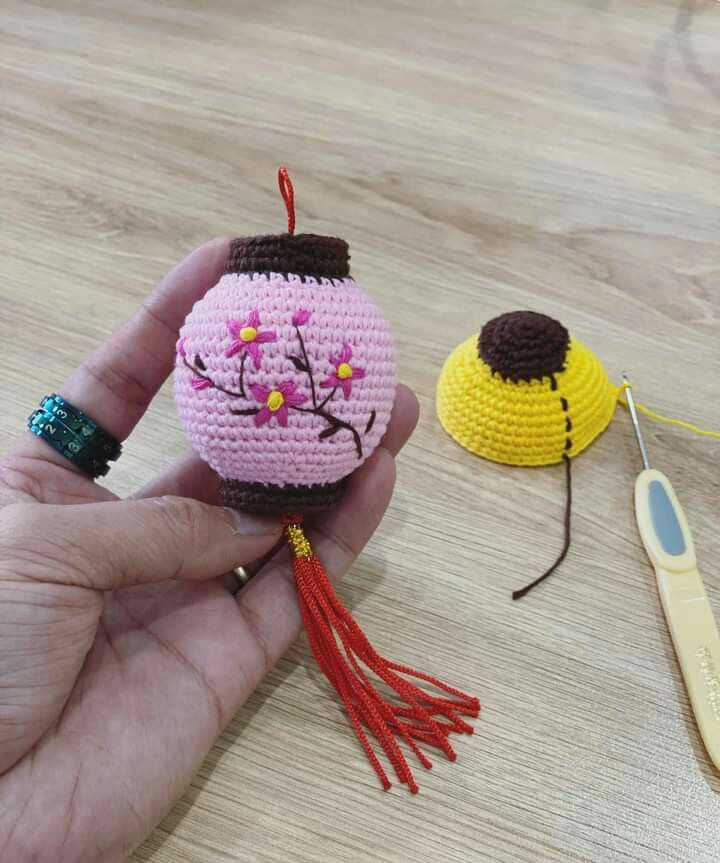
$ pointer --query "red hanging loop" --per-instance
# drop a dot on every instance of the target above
(341, 649)
(288, 195)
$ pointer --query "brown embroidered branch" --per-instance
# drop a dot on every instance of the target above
(334, 423)
(302, 364)
(198, 367)
(334, 426)
(327, 397)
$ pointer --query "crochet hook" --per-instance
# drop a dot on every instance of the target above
(668, 542)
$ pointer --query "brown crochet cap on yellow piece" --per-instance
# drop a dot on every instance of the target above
(525, 392)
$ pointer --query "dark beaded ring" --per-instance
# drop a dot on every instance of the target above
(75, 435)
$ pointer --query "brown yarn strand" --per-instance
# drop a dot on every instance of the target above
(518, 594)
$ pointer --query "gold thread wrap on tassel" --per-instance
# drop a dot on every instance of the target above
(298, 542)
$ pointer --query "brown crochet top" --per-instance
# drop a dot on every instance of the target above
(300, 254)
(521, 346)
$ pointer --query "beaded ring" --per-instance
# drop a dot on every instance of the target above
(74, 435)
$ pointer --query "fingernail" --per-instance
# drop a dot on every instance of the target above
(244, 524)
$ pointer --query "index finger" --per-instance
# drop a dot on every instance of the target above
(117, 382)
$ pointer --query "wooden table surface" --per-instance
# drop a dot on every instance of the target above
(479, 157)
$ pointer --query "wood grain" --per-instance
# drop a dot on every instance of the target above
(479, 157)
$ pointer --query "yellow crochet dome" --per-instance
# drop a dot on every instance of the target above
(524, 392)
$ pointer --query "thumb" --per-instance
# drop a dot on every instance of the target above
(117, 544)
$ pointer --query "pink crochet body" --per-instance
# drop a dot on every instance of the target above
(285, 380)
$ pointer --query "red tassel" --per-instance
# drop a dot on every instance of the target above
(341, 649)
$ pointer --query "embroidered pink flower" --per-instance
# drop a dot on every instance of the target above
(248, 337)
(276, 402)
(200, 383)
(345, 373)
(181, 348)
(301, 316)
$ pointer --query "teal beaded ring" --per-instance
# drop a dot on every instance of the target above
(74, 435)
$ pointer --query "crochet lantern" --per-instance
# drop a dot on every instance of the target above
(285, 381)
(286, 375)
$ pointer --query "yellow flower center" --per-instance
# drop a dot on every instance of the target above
(248, 334)
(275, 400)
(344, 371)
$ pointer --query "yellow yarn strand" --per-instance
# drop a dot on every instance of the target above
(671, 421)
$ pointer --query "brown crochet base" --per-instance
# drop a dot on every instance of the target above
(521, 346)
(280, 500)
(300, 254)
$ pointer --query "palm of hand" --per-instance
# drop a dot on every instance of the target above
(146, 674)
(114, 699)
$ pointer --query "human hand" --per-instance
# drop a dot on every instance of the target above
(122, 655)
